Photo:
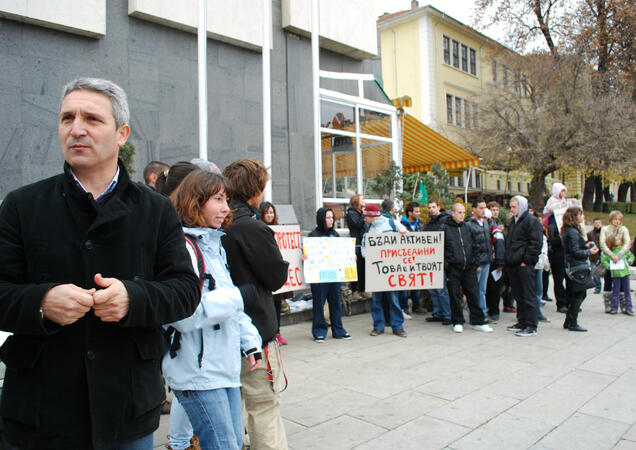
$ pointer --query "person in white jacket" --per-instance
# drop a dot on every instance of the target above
(203, 365)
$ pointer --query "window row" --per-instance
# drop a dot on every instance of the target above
(455, 51)
(519, 82)
(509, 186)
(461, 112)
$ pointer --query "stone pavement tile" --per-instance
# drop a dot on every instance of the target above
(292, 427)
(562, 398)
(625, 445)
(581, 432)
(518, 385)
(454, 387)
(420, 434)
(631, 434)
(339, 433)
(160, 436)
(473, 409)
(616, 402)
(303, 386)
(610, 365)
(506, 431)
(320, 409)
(397, 410)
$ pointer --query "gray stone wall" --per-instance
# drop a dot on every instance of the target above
(157, 66)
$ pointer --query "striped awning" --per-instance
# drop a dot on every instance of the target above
(422, 147)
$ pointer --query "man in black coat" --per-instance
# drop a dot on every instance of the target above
(257, 268)
(523, 246)
(356, 225)
(439, 297)
(91, 266)
(460, 265)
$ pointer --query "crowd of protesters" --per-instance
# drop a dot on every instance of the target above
(108, 286)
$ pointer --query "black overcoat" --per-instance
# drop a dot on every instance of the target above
(91, 383)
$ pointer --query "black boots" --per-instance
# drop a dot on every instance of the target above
(572, 315)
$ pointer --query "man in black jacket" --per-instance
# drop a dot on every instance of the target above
(356, 225)
(523, 246)
(91, 266)
(257, 268)
(439, 297)
(482, 247)
(557, 264)
(460, 265)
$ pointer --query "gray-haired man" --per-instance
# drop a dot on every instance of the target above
(91, 266)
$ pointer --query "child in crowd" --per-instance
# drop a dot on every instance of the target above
(267, 213)
(620, 274)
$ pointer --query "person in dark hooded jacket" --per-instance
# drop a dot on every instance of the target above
(329, 291)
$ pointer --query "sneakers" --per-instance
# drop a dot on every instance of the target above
(526, 332)
(483, 328)
(509, 309)
(346, 337)
(629, 312)
(613, 311)
(493, 319)
(375, 332)
(319, 339)
(400, 333)
(420, 310)
(434, 319)
(516, 327)
(544, 319)
(406, 315)
(458, 328)
(281, 340)
(546, 298)
(446, 322)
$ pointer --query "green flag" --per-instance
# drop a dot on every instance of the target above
(422, 195)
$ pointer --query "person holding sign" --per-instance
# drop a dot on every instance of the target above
(379, 224)
(329, 291)
(460, 265)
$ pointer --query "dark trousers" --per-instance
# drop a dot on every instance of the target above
(330, 292)
(575, 297)
(493, 294)
(456, 279)
(506, 294)
(546, 283)
(557, 264)
(358, 286)
(524, 290)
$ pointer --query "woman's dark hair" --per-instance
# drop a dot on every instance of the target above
(262, 209)
(168, 180)
(571, 219)
(193, 192)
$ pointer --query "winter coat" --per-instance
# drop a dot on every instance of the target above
(91, 383)
(218, 330)
(356, 225)
(594, 235)
(415, 226)
(435, 223)
(555, 244)
(458, 245)
(256, 267)
(611, 230)
(576, 252)
(482, 232)
(524, 240)
(498, 246)
(321, 230)
(381, 225)
(618, 273)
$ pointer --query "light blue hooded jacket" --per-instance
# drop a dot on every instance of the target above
(219, 320)
(381, 224)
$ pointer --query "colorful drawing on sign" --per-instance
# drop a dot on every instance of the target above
(289, 243)
(330, 260)
(396, 262)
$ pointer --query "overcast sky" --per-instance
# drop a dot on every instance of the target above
(462, 10)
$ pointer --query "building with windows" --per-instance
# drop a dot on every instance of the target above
(445, 67)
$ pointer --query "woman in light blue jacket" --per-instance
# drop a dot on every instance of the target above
(204, 363)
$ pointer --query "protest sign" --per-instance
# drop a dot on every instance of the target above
(330, 259)
(289, 243)
(398, 262)
(560, 209)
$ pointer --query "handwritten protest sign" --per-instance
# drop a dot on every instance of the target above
(396, 262)
(560, 209)
(289, 244)
(330, 259)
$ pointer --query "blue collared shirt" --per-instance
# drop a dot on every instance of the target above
(108, 193)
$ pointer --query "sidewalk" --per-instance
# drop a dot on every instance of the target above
(437, 389)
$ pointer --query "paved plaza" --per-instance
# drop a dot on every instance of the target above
(441, 390)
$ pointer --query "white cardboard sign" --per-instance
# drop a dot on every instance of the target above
(330, 259)
(289, 243)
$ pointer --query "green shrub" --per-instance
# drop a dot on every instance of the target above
(624, 207)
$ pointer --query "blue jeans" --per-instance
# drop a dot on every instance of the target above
(403, 298)
(180, 427)
(331, 292)
(215, 416)
(377, 313)
(482, 281)
(441, 302)
(144, 443)
(597, 284)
